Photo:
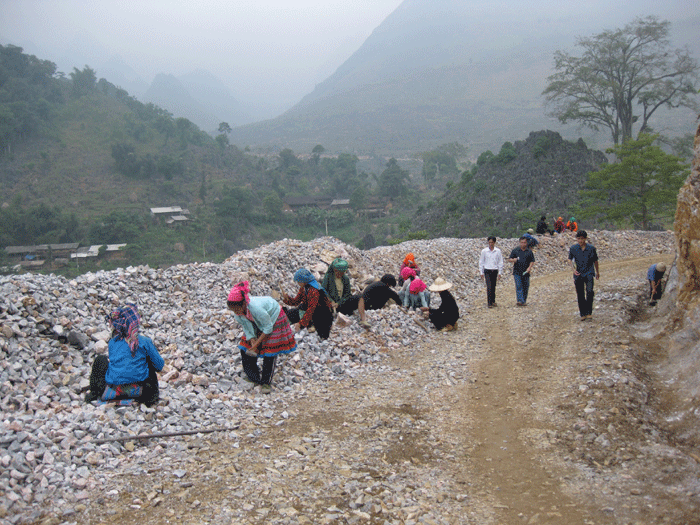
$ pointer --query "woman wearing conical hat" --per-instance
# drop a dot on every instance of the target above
(446, 315)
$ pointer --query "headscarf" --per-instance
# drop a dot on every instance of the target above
(240, 292)
(125, 321)
(407, 273)
(573, 219)
(560, 219)
(340, 264)
(409, 260)
(417, 286)
(304, 276)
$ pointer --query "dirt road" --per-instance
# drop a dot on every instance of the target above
(523, 415)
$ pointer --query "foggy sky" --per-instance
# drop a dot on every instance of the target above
(270, 53)
(266, 51)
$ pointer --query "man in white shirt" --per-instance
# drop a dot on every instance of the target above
(491, 268)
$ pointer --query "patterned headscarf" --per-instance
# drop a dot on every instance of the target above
(340, 264)
(407, 273)
(409, 260)
(240, 292)
(125, 321)
(304, 276)
(417, 286)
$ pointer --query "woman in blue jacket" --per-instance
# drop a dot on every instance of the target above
(130, 371)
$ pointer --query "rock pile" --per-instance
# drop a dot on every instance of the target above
(51, 329)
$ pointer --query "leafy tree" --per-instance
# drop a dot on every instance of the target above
(486, 157)
(641, 185)
(235, 202)
(392, 181)
(222, 141)
(287, 159)
(438, 162)
(343, 174)
(622, 77)
(273, 207)
(358, 198)
(506, 154)
(84, 81)
(316, 154)
(224, 128)
(117, 227)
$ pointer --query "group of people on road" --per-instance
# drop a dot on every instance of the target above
(129, 373)
(583, 257)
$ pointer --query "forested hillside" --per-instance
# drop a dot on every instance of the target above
(83, 161)
(506, 193)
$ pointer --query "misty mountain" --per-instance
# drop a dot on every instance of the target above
(437, 71)
(197, 96)
(122, 75)
(213, 94)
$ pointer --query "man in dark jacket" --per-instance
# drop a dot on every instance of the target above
(584, 261)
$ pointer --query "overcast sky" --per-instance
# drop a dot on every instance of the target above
(259, 48)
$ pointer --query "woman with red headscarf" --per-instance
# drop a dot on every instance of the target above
(408, 262)
(266, 333)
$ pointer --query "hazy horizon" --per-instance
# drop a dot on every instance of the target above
(268, 53)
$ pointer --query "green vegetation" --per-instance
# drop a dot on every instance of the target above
(619, 71)
(641, 187)
(83, 161)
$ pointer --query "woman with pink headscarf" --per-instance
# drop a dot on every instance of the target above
(266, 333)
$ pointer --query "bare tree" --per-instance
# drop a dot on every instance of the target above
(622, 78)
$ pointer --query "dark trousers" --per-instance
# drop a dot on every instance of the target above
(490, 276)
(322, 318)
(584, 293)
(250, 367)
(350, 305)
(659, 290)
(149, 396)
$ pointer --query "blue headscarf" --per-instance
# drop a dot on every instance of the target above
(302, 275)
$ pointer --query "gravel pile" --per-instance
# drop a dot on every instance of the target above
(51, 329)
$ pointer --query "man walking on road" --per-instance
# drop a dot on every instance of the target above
(491, 268)
(584, 261)
(523, 260)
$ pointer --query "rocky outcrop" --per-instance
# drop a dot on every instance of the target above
(507, 192)
(687, 228)
(676, 326)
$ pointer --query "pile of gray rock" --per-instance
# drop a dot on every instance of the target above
(51, 328)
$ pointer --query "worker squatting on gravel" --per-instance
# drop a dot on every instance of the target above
(130, 371)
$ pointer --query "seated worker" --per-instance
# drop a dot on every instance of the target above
(337, 285)
(654, 275)
(130, 371)
(314, 306)
(374, 297)
(559, 225)
(531, 239)
(572, 225)
(408, 262)
(543, 227)
(407, 275)
(418, 297)
(446, 316)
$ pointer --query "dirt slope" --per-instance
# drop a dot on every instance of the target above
(523, 415)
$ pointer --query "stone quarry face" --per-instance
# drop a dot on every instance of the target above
(687, 228)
